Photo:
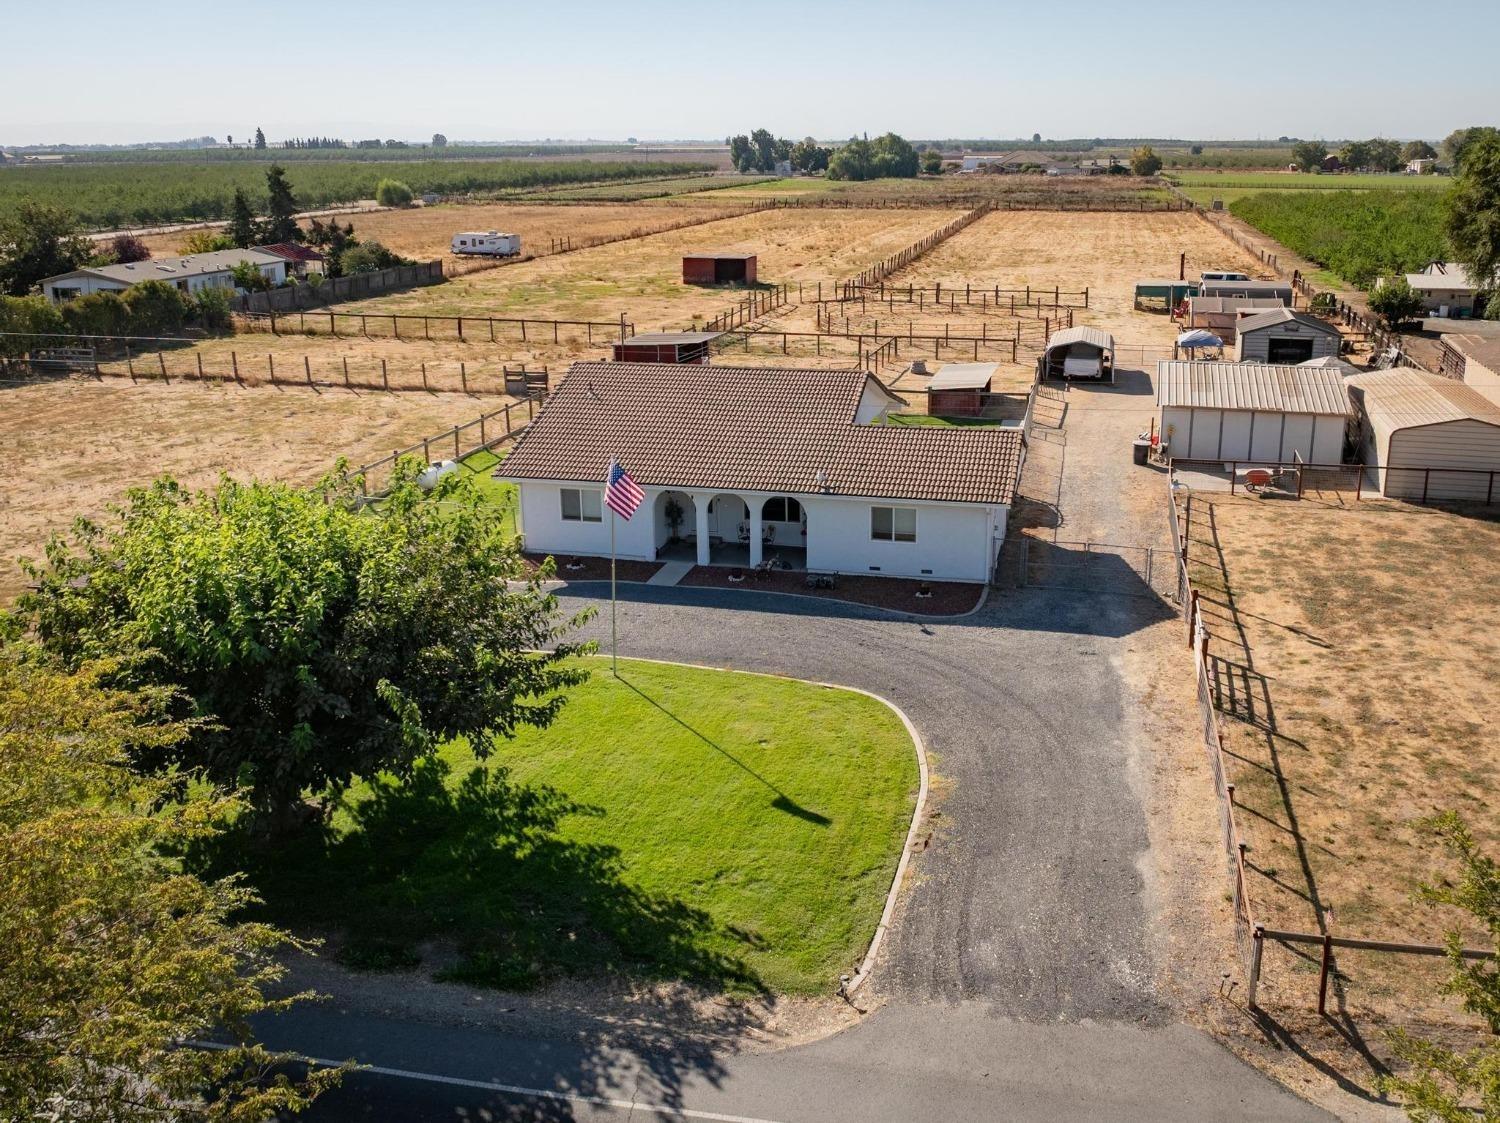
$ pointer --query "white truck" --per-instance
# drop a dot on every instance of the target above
(487, 243)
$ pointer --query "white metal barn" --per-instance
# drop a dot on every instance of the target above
(1279, 335)
(1428, 437)
(1252, 412)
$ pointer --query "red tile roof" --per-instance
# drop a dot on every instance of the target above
(756, 429)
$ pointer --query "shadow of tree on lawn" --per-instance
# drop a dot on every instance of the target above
(483, 862)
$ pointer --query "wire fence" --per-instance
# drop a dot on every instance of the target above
(902, 258)
(487, 431)
(463, 329)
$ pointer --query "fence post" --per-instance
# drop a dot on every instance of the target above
(1323, 965)
(463, 376)
(1192, 615)
(385, 377)
(1257, 946)
(307, 368)
(271, 366)
(346, 372)
(234, 365)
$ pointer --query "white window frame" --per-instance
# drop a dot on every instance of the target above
(895, 534)
(582, 496)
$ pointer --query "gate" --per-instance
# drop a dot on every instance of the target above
(1096, 567)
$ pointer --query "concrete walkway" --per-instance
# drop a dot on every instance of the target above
(670, 573)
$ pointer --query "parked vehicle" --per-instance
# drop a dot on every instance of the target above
(487, 243)
(1222, 275)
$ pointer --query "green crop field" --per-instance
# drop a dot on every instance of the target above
(1359, 235)
(109, 195)
(1204, 187)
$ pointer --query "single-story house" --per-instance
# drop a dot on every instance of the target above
(718, 269)
(1446, 290)
(1274, 290)
(298, 258)
(1427, 437)
(1252, 411)
(1169, 291)
(1222, 314)
(960, 389)
(1078, 352)
(1279, 335)
(742, 465)
(666, 347)
(189, 273)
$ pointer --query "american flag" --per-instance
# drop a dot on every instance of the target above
(622, 495)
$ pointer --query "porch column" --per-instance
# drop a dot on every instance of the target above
(700, 511)
(756, 506)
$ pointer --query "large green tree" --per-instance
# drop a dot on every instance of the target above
(888, 156)
(1456, 143)
(1439, 1084)
(1309, 154)
(114, 953)
(1472, 212)
(38, 241)
(326, 640)
(1395, 301)
(281, 208)
(808, 155)
(1417, 150)
(243, 230)
(1145, 161)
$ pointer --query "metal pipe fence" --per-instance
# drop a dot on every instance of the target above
(952, 294)
(463, 329)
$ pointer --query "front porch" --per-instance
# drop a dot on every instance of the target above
(736, 554)
(729, 529)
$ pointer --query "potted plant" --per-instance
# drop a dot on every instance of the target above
(673, 512)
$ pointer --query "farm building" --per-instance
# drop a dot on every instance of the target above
(1474, 360)
(667, 347)
(189, 274)
(1079, 352)
(960, 389)
(1427, 436)
(1273, 290)
(1280, 335)
(718, 269)
(1446, 290)
(1168, 292)
(1252, 411)
(1222, 314)
(743, 466)
(298, 258)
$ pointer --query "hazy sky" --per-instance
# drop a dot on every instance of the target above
(670, 69)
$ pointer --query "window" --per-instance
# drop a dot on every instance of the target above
(893, 524)
(580, 506)
(781, 509)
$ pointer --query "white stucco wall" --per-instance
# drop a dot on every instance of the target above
(954, 542)
(546, 532)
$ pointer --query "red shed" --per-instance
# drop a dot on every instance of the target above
(718, 269)
(666, 347)
(960, 389)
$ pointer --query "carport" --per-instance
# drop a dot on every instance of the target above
(1081, 352)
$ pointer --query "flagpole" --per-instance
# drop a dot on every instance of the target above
(614, 629)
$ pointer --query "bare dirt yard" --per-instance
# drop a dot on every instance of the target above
(76, 447)
(1355, 666)
(426, 233)
(643, 277)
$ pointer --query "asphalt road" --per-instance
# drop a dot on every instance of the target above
(1019, 975)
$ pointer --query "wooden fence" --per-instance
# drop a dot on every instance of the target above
(902, 258)
(374, 325)
(831, 318)
(1251, 935)
(332, 290)
(871, 351)
(486, 431)
(757, 303)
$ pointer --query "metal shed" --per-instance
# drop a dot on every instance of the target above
(1252, 411)
(1429, 437)
(1222, 314)
(1280, 335)
(959, 389)
(1169, 291)
(1276, 290)
(1081, 352)
(666, 347)
(718, 269)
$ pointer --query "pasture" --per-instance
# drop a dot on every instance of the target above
(1204, 187)
(1357, 690)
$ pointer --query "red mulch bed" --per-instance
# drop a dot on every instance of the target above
(949, 598)
(596, 569)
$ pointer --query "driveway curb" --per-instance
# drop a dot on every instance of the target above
(867, 964)
(896, 613)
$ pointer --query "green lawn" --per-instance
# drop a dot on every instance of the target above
(732, 829)
(504, 495)
(927, 419)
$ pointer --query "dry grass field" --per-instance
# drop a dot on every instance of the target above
(76, 447)
(425, 233)
(1356, 661)
(643, 277)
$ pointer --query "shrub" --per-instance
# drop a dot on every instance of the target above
(156, 308)
(1144, 161)
(393, 193)
(206, 241)
(211, 310)
(24, 321)
(367, 257)
(127, 248)
(1395, 302)
(98, 313)
(247, 276)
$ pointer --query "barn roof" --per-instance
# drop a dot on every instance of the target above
(963, 376)
(757, 429)
(1259, 386)
(1404, 397)
(1284, 315)
(664, 337)
(1207, 304)
(717, 256)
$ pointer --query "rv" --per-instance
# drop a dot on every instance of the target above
(487, 243)
(1222, 275)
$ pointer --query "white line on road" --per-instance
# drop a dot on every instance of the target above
(518, 1090)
